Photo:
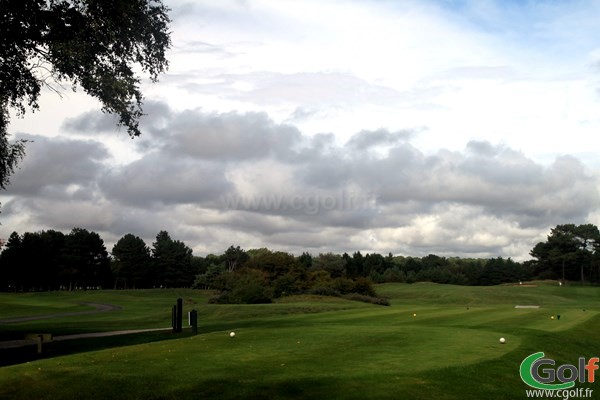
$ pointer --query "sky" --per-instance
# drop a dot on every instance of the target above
(448, 127)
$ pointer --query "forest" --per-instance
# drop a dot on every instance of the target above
(79, 260)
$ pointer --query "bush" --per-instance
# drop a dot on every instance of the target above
(364, 286)
(221, 298)
(253, 286)
(343, 285)
(251, 293)
(211, 279)
(287, 285)
(247, 286)
(394, 275)
(324, 291)
(547, 275)
(367, 299)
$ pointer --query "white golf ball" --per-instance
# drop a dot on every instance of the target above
(232, 334)
(502, 340)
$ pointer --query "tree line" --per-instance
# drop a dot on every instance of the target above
(571, 252)
(51, 260)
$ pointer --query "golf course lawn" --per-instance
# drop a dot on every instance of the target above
(433, 342)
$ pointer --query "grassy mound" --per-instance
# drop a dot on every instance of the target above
(434, 341)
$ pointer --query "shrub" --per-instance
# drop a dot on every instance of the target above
(364, 286)
(246, 286)
(343, 285)
(394, 275)
(324, 291)
(367, 299)
(286, 285)
(547, 275)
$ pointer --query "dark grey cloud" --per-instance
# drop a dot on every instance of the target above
(205, 135)
(62, 214)
(241, 178)
(332, 171)
(52, 163)
(341, 208)
(157, 115)
(364, 140)
(302, 114)
(92, 122)
(230, 136)
(315, 241)
(160, 179)
(501, 181)
(482, 148)
(340, 166)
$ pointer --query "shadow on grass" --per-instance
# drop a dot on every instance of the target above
(223, 389)
(74, 346)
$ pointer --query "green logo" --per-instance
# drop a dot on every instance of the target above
(534, 375)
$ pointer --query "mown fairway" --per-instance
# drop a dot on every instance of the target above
(308, 347)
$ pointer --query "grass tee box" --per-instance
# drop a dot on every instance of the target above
(138, 309)
(434, 341)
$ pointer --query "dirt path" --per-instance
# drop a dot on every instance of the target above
(98, 308)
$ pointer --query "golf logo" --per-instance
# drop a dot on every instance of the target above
(540, 373)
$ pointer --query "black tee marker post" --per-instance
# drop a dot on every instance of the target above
(179, 317)
(174, 318)
(193, 317)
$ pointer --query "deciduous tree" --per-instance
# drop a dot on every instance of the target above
(86, 261)
(568, 250)
(235, 257)
(172, 261)
(97, 45)
(10, 260)
(132, 261)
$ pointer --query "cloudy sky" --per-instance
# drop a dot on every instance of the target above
(458, 128)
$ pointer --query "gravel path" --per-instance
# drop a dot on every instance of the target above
(98, 308)
(12, 344)
(103, 334)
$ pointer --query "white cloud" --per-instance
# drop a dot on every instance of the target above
(209, 182)
(415, 127)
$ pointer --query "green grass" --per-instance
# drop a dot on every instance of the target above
(308, 346)
(140, 309)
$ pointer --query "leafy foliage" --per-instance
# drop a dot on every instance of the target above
(93, 44)
(248, 286)
(86, 260)
(10, 153)
(51, 260)
(569, 253)
(267, 275)
(235, 257)
(131, 262)
(172, 262)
